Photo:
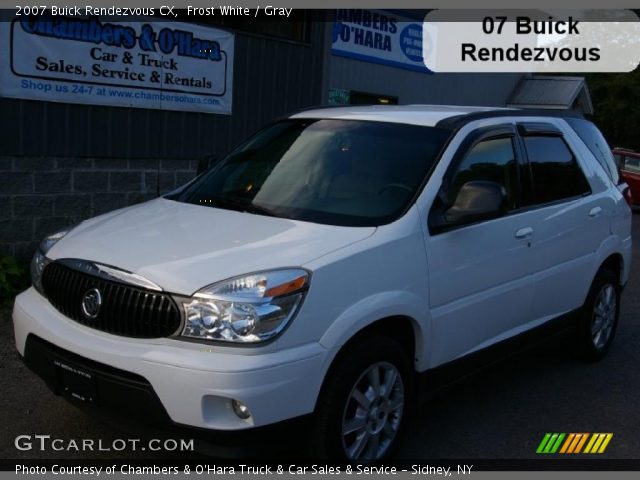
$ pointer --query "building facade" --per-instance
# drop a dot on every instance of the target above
(90, 145)
(63, 162)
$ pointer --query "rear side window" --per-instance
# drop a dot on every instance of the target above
(598, 146)
(555, 172)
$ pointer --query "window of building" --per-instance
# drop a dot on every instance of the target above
(364, 98)
(341, 96)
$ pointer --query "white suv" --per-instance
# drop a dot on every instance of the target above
(323, 264)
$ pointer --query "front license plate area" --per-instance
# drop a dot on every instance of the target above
(75, 382)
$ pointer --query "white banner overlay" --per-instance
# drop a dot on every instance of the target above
(144, 64)
(516, 42)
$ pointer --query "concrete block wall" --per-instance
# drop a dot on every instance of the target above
(41, 195)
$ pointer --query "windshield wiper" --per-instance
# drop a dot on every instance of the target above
(242, 206)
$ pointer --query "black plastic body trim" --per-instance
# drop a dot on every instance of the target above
(442, 376)
(117, 390)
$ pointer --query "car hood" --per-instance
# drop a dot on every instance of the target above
(184, 247)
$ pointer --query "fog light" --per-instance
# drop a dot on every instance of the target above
(241, 410)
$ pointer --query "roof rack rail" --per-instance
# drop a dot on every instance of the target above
(458, 121)
(320, 107)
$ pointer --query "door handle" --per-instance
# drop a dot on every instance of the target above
(595, 212)
(525, 232)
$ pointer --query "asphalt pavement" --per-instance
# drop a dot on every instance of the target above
(500, 413)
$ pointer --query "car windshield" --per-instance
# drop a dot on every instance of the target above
(338, 172)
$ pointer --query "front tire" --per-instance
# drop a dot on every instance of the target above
(364, 402)
(598, 319)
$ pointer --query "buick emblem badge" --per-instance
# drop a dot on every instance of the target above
(91, 302)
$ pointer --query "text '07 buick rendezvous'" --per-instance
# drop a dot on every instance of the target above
(324, 265)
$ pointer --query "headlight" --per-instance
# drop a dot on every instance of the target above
(247, 309)
(40, 260)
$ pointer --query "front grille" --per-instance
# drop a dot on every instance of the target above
(126, 310)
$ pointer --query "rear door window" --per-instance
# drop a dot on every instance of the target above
(555, 173)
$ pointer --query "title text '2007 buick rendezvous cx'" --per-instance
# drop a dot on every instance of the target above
(328, 260)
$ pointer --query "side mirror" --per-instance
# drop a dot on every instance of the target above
(205, 163)
(477, 200)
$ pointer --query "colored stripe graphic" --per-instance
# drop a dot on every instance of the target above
(603, 447)
(550, 443)
(581, 443)
(567, 443)
(573, 443)
(556, 445)
(591, 442)
(543, 443)
(598, 443)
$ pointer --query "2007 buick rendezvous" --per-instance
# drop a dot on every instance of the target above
(325, 262)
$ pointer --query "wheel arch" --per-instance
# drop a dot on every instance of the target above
(379, 312)
(615, 263)
(614, 255)
(401, 327)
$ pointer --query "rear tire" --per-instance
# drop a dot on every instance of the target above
(364, 402)
(598, 318)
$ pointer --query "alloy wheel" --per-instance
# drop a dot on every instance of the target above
(604, 315)
(373, 412)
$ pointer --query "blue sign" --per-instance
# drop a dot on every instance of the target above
(379, 36)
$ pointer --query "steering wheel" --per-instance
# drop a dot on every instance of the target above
(400, 186)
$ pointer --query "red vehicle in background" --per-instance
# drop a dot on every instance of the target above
(629, 164)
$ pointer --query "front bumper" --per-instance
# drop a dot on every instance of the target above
(194, 383)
